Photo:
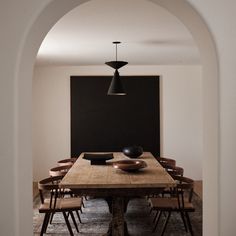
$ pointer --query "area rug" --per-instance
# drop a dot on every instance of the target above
(96, 217)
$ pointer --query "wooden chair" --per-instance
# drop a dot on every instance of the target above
(170, 165)
(53, 200)
(61, 171)
(173, 171)
(179, 201)
(69, 161)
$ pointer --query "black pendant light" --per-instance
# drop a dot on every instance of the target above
(116, 87)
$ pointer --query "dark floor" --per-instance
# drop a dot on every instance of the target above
(96, 218)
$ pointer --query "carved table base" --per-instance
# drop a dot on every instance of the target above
(117, 201)
(118, 226)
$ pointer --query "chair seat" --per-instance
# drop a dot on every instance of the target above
(168, 204)
(66, 204)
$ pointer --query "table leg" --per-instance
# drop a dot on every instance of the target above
(118, 225)
(109, 203)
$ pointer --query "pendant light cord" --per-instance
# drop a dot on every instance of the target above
(116, 52)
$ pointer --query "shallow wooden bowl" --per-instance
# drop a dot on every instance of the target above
(129, 165)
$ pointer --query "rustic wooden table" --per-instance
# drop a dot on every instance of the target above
(117, 186)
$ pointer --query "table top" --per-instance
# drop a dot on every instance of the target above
(82, 175)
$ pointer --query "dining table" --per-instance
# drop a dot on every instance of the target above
(117, 186)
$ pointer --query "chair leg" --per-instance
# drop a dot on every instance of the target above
(81, 210)
(154, 219)
(78, 216)
(48, 218)
(73, 219)
(68, 223)
(158, 218)
(150, 211)
(165, 224)
(51, 218)
(189, 223)
(184, 221)
(45, 223)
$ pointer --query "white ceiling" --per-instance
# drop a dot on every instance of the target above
(149, 34)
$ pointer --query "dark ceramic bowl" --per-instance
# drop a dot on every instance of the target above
(98, 159)
(133, 151)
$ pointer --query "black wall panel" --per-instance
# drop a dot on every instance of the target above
(108, 123)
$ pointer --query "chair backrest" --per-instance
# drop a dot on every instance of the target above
(176, 171)
(184, 189)
(69, 161)
(59, 170)
(168, 161)
(49, 187)
(173, 170)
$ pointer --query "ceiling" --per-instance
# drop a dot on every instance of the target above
(149, 34)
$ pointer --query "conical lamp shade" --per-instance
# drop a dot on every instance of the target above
(116, 87)
(116, 64)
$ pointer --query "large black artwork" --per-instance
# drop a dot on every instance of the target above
(101, 123)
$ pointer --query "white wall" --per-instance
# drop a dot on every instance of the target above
(181, 113)
(221, 21)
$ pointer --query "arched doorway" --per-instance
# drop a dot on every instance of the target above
(46, 18)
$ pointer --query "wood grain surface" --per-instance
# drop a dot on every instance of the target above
(85, 176)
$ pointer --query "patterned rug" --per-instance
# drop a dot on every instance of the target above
(96, 217)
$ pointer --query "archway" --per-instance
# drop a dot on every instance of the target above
(39, 27)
